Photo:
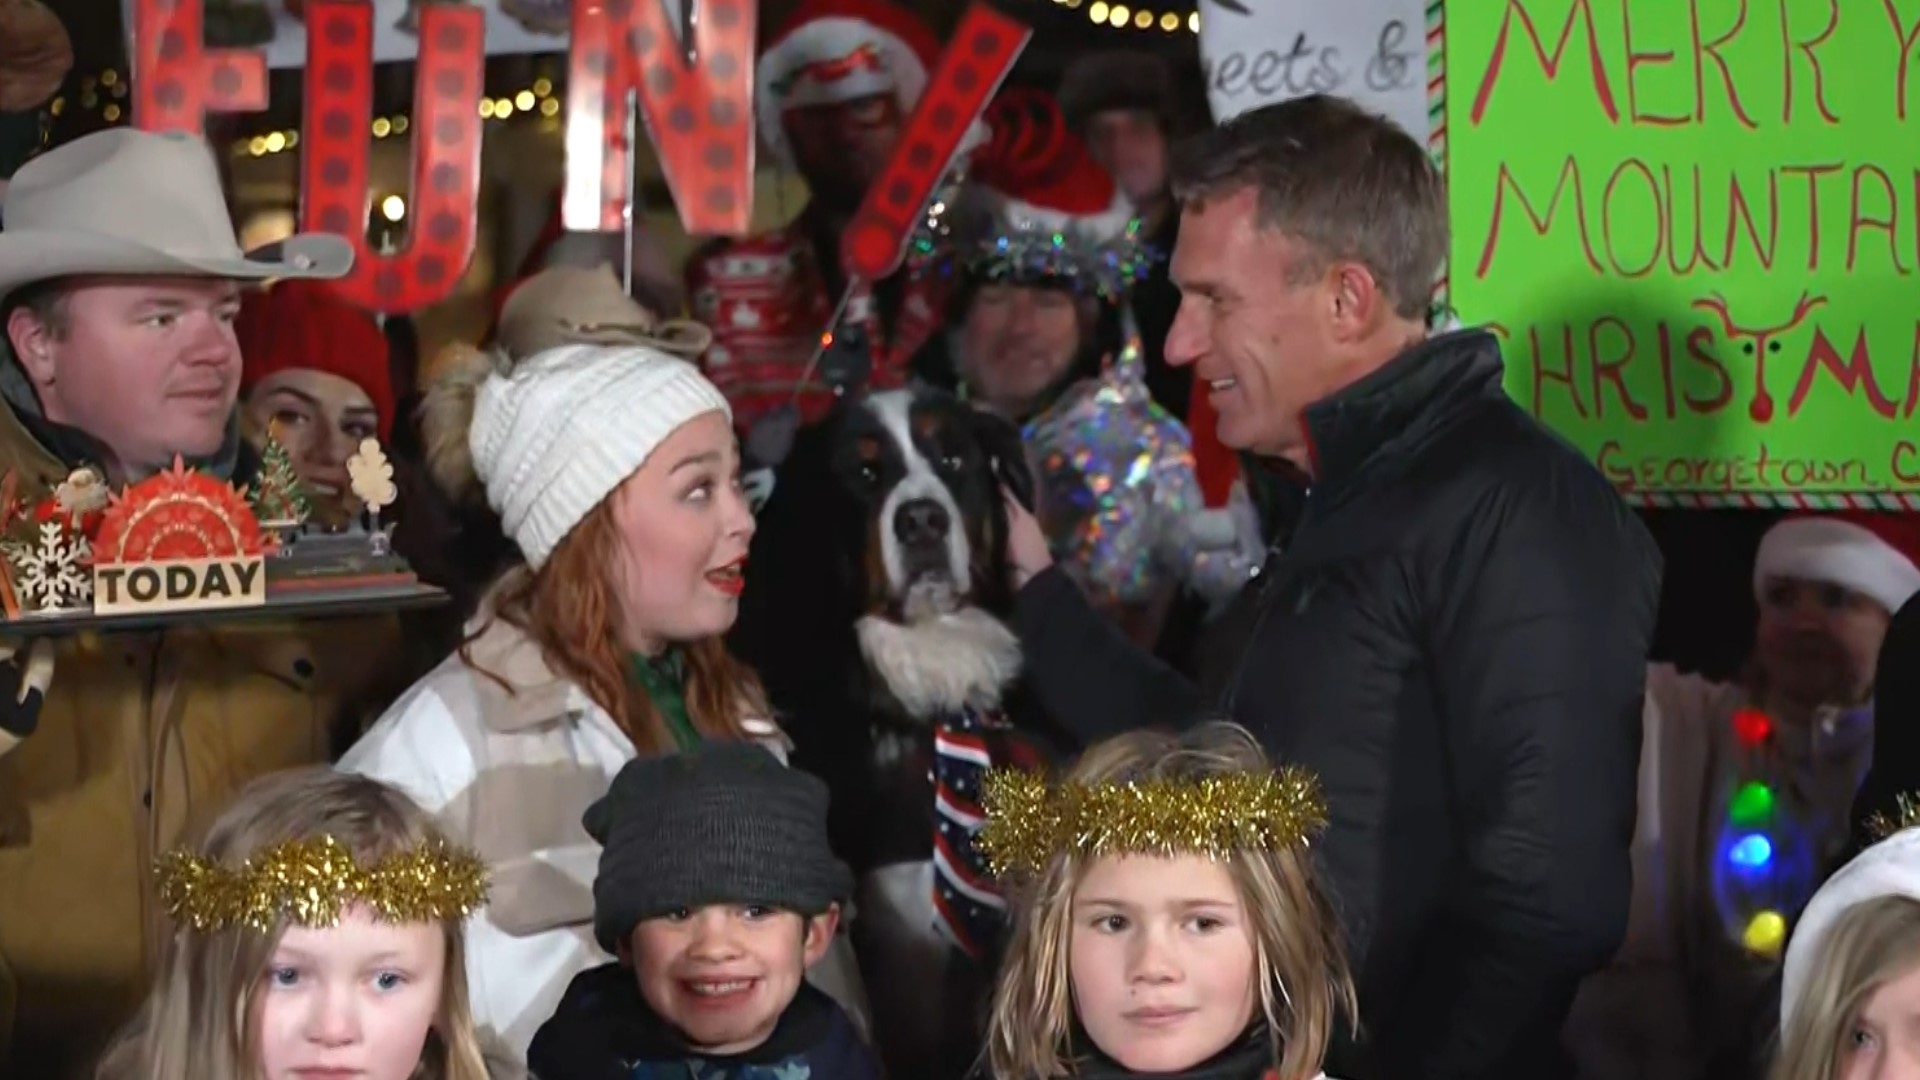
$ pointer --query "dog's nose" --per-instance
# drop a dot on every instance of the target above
(921, 521)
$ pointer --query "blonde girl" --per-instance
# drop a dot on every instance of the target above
(1167, 918)
(1850, 989)
(318, 928)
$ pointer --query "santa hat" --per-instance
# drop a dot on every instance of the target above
(1888, 868)
(1874, 554)
(302, 325)
(832, 51)
(1038, 207)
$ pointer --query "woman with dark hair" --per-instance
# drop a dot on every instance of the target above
(1047, 250)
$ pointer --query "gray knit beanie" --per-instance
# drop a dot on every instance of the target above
(724, 823)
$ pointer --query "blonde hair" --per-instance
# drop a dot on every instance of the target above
(1871, 944)
(1300, 962)
(195, 1022)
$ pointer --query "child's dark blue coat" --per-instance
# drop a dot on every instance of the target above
(604, 1030)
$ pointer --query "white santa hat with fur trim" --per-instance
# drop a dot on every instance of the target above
(1874, 554)
(1888, 868)
(833, 51)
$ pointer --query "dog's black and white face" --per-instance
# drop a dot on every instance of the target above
(886, 538)
(924, 469)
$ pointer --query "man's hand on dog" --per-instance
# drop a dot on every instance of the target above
(1027, 552)
(26, 670)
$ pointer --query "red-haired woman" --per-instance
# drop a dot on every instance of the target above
(615, 472)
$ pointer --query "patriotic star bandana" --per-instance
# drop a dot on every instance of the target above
(970, 909)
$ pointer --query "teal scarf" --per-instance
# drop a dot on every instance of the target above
(664, 679)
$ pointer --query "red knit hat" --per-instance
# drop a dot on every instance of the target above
(1874, 554)
(301, 325)
(831, 51)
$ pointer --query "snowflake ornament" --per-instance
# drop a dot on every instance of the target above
(54, 575)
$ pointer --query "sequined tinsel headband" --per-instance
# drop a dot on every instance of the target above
(1029, 821)
(311, 882)
(1106, 268)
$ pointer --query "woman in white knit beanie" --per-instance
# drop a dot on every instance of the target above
(615, 471)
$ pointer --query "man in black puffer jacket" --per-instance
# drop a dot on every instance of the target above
(1455, 635)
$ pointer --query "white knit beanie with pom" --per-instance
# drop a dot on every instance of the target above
(567, 426)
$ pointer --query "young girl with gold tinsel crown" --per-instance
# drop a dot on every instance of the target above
(318, 929)
(1167, 918)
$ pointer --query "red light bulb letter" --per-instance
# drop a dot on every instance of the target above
(444, 202)
(977, 59)
(699, 112)
(177, 81)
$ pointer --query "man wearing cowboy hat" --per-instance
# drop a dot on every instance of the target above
(119, 281)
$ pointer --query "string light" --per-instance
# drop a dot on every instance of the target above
(1757, 876)
(103, 93)
(1122, 17)
(537, 98)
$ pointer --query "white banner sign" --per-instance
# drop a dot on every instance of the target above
(1256, 52)
(513, 26)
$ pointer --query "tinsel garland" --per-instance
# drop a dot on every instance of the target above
(1031, 822)
(1906, 815)
(1010, 253)
(312, 882)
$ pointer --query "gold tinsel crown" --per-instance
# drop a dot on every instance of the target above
(1906, 814)
(1029, 821)
(311, 882)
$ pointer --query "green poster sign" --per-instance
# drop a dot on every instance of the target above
(1696, 226)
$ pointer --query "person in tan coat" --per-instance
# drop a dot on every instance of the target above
(119, 280)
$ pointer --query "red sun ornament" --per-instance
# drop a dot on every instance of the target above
(178, 514)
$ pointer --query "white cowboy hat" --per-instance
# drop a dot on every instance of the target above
(144, 204)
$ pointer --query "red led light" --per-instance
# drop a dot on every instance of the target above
(1751, 726)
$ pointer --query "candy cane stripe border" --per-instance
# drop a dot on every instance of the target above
(1763, 500)
(1437, 115)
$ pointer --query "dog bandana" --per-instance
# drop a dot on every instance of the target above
(969, 907)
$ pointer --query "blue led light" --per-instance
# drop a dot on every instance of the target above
(1751, 852)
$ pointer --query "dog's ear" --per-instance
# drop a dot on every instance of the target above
(1006, 454)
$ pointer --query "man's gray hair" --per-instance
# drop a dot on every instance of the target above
(1347, 183)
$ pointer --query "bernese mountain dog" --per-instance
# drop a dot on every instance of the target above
(876, 604)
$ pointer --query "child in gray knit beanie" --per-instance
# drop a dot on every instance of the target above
(717, 890)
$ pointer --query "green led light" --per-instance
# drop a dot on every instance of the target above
(1752, 805)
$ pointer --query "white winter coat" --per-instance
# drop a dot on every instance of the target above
(509, 770)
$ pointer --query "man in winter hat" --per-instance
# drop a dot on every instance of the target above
(120, 275)
(833, 90)
(1746, 796)
(1044, 335)
(1122, 103)
(716, 891)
